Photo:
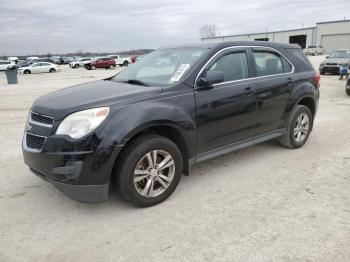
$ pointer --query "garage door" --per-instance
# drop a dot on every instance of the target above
(333, 42)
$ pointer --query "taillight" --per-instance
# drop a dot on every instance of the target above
(317, 79)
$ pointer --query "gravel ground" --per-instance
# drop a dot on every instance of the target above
(263, 203)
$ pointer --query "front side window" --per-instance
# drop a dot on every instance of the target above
(267, 63)
(162, 67)
(234, 66)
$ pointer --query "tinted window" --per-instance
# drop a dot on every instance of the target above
(45, 64)
(287, 67)
(234, 66)
(299, 54)
(267, 63)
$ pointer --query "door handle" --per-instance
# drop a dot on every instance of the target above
(249, 91)
(290, 81)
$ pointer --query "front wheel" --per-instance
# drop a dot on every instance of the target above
(93, 67)
(126, 63)
(52, 70)
(149, 170)
(298, 127)
(347, 90)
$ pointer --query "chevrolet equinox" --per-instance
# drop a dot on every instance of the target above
(144, 127)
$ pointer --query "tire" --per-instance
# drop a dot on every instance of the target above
(347, 91)
(93, 67)
(135, 156)
(321, 72)
(27, 72)
(289, 139)
(52, 70)
(76, 66)
(111, 66)
(125, 63)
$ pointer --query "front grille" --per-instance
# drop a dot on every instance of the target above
(41, 118)
(332, 64)
(35, 142)
(333, 69)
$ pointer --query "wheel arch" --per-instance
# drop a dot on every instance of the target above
(308, 102)
(167, 129)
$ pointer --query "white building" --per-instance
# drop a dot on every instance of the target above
(331, 35)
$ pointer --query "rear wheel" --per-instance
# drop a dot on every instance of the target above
(321, 72)
(125, 63)
(298, 128)
(149, 170)
(111, 66)
(27, 72)
(76, 66)
(347, 90)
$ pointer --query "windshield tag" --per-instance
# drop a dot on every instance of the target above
(179, 72)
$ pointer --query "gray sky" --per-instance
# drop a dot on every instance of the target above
(29, 26)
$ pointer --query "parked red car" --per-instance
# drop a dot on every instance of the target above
(102, 62)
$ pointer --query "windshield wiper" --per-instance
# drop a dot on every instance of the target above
(135, 82)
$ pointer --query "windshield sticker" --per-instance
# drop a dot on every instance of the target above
(179, 72)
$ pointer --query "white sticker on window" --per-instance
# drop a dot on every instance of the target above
(179, 72)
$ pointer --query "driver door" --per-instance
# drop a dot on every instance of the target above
(226, 112)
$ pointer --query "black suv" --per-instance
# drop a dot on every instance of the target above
(177, 106)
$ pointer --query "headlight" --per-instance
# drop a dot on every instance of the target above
(79, 124)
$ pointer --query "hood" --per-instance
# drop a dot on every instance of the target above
(336, 60)
(59, 104)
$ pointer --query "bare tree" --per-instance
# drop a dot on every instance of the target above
(208, 31)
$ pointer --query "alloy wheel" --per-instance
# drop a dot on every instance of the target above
(301, 128)
(154, 173)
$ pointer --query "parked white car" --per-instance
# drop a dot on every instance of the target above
(4, 64)
(40, 67)
(79, 62)
(314, 50)
(121, 61)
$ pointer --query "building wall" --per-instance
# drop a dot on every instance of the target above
(335, 34)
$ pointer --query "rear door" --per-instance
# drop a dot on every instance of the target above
(36, 68)
(45, 67)
(273, 84)
(226, 112)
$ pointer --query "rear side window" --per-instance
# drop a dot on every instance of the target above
(234, 66)
(267, 63)
(300, 56)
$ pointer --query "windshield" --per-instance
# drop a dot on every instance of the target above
(340, 54)
(162, 67)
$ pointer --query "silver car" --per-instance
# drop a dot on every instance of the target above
(336, 60)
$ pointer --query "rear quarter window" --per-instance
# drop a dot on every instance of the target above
(301, 58)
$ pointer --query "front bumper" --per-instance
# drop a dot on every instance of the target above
(330, 69)
(79, 168)
(81, 193)
(83, 176)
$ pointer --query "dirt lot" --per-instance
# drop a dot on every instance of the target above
(263, 203)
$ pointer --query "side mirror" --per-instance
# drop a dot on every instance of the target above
(210, 78)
